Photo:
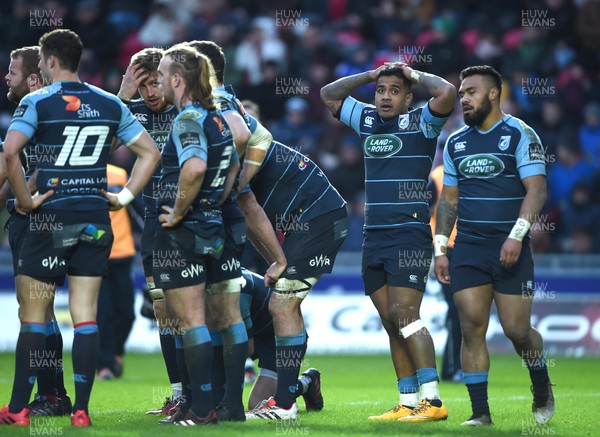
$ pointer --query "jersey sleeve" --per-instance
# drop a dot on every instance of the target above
(190, 140)
(530, 153)
(450, 175)
(251, 122)
(351, 112)
(130, 128)
(25, 118)
(430, 125)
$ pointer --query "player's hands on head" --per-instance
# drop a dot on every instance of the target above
(113, 201)
(510, 252)
(132, 79)
(442, 269)
(274, 271)
(171, 219)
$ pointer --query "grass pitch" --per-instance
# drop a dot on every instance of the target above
(354, 387)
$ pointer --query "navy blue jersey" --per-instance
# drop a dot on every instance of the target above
(254, 304)
(488, 168)
(74, 124)
(28, 159)
(398, 157)
(290, 187)
(202, 134)
(158, 125)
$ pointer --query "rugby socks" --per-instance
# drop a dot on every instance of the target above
(235, 350)
(86, 348)
(29, 352)
(409, 391)
(46, 379)
(60, 374)
(186, 394)
(218, 368)
(198, 359)
(477, 384)
(289, 352)
(303, 380)
(428, 380)
(167, 347)
(538, 372)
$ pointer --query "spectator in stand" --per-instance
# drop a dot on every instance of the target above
(356, 223)
(589, 133)
(580, 213)
(296, 130)
(570, 169)
(552, 126)
(349, 175)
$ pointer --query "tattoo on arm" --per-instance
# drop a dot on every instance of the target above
(445, 217)
(334, 93)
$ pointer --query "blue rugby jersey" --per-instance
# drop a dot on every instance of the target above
(158, 125)
(74, 124)
(398, 158)
(488, 168)
(292, 188)
(203, 134)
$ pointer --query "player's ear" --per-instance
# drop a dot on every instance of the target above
(34, 82)
(493, 94)
(408, 99)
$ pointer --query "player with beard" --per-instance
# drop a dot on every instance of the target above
(494, 181)
(51, 398)
(399, 145)
(156, 115)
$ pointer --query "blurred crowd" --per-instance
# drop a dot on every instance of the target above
(279, 55)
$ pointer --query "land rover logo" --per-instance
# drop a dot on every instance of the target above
(481, 166)
(381, 146)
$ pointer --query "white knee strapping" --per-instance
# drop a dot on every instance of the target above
(295, 287)
(156, 293)
(268, 374)
(228, 286)
(411, 328)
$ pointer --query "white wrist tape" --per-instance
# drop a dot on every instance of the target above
(125, 196)
(416, 75)
(520, 229)
(440, 245)
(411, 328)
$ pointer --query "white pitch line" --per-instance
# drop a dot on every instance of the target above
(493, 398)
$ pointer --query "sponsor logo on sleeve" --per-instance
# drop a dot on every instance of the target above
(20, 111)
(189, 138)
(536, 152)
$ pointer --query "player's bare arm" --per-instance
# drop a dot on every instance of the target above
(239, 130)
(190, 180)
(132, 79)
(446, 217)
(334, 93)
(230, 180)
(258, 145)
(14, 143)
(148, 158)
(443, 92)
(261, 229)
(535, 198)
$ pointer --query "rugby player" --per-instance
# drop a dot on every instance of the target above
(399, 145)
(51, 399)
(80, 121)
(196, 162)
(495, 182)
(157, 117)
